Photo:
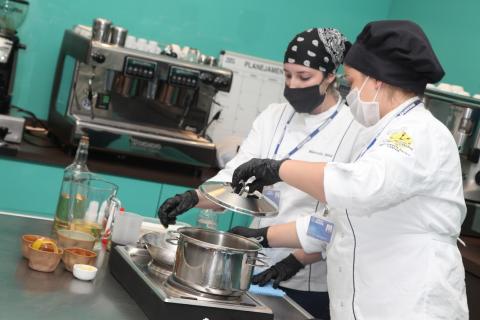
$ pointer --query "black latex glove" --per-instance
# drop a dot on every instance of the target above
(175, 206)
(264, 170)
(281, 271)
(260, 233)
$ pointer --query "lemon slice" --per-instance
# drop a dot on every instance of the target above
(43, 243)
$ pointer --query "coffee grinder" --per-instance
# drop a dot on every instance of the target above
(12, 15)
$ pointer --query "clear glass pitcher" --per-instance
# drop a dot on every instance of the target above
(207, 219)
(87, 204)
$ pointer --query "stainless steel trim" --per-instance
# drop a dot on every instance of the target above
(5, 213)
(298, 307)
(173, 133)
(121, 53)
(100, 127)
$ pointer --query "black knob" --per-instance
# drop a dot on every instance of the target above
(206, 77)
(98, 57)
(3, 133)
(477, 178)
(474, 155)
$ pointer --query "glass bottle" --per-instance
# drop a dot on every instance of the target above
(75, 179)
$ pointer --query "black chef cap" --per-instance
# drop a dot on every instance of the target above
(396, 52)
(318, 48)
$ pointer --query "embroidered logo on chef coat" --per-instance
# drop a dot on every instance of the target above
(400, 141)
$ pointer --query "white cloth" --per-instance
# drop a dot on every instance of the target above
(394, 254)
(261, 142)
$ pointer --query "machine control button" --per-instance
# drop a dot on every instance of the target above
(98, 57)
(221, 81)
(206, 77)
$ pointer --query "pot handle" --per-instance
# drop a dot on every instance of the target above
(141, 244)
(257, 239)
(170, 238)
(263, 255)
(253, 262)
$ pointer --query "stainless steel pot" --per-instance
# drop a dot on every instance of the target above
(162, 252)
(214, 262)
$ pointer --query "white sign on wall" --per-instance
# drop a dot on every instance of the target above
(256, 84)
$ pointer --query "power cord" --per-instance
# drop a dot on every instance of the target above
(42, 131)
(50, 144)
(32, 115)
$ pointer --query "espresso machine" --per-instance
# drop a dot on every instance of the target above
(12, 15)
(461, 116)
(132, 102)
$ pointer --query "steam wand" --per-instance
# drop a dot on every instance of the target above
(214, 118)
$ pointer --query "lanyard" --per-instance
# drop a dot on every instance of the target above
(304, 141)
(403, 112)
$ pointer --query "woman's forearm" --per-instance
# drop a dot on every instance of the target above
(283, 236)
(307, 258)
(305, 176)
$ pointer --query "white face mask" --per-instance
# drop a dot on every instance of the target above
(366, 113)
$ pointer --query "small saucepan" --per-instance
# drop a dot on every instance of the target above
(161, 251)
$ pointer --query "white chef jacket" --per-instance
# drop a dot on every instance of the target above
(336, 141)
(394, 252)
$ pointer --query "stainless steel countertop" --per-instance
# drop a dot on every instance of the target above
(28, 294)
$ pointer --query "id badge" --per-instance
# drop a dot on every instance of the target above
(320, 229)
(273, 195)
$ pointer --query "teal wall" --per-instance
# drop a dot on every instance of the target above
(30, 188)
(257, 27)
(453, 29)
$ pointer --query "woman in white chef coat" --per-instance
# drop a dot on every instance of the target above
(314, 125)
(392, 250)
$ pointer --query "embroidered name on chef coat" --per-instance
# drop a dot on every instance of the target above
(321, 153)
(400, 141)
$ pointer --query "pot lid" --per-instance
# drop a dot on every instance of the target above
(254, 204)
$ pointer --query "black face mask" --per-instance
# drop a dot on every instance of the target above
(304, 100)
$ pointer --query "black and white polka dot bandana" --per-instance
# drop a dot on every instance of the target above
(318, 48)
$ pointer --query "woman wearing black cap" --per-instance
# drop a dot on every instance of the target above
(314, 125)
(392, 251)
